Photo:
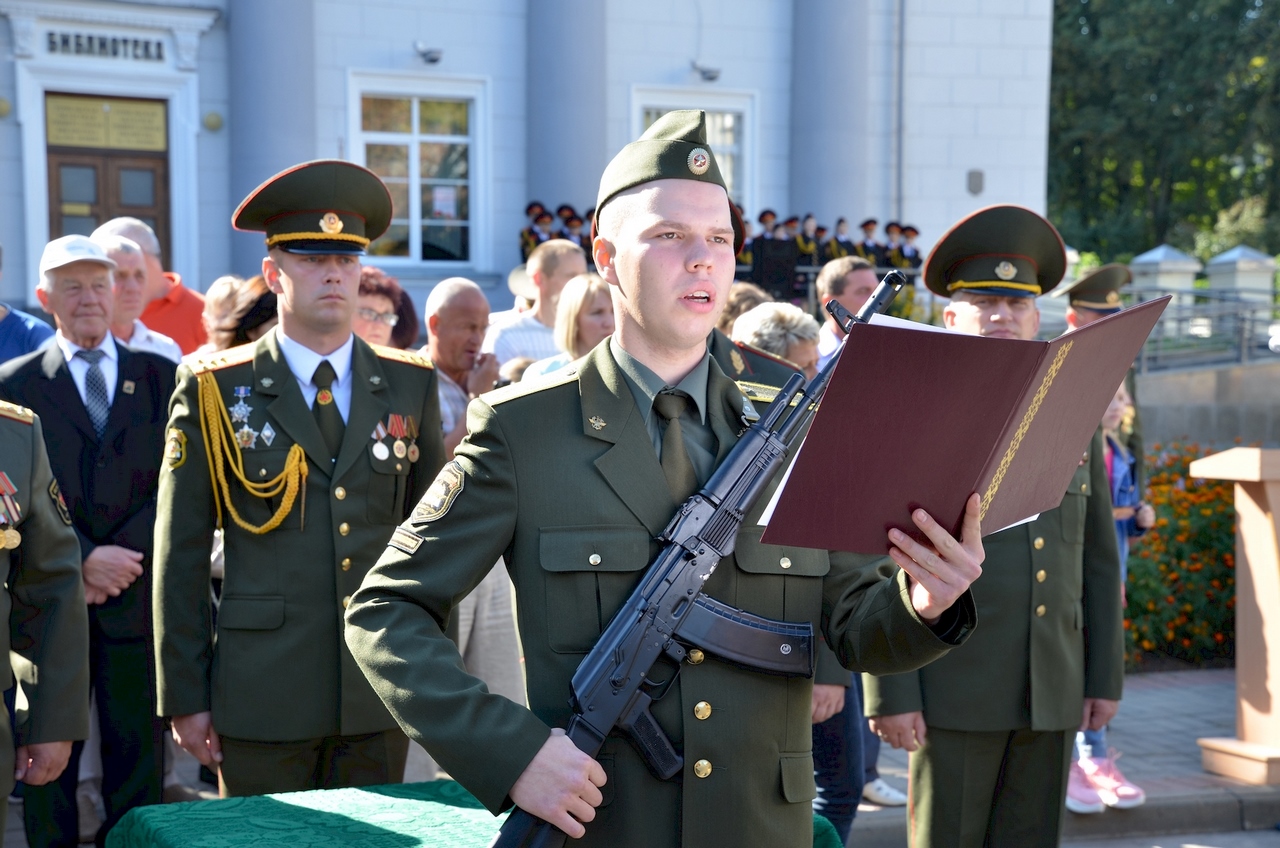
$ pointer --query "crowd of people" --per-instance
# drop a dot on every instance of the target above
(210, 484)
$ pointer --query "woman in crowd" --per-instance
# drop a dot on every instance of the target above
(584, 318)
(784, 330)
(254, 314)
(378, 308)
(219, 303)
(743, 297)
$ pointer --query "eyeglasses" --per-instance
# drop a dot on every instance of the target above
(388, 318)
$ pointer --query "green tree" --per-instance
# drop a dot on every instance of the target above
(1163, 114)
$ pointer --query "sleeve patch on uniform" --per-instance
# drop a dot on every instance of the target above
(403, 540)
(56, 494)
(440, 496)
(175, 448)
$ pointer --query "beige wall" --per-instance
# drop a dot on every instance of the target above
(1213, 405)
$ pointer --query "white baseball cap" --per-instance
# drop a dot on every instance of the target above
(68, 249)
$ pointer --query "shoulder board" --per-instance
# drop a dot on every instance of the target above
(222, 359)
(764, 354)
(757, 392)
(568, 374)
(16, 413)
(406, 356)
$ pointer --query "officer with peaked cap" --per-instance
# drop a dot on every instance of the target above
(306, 449)
(1091, 298)
(574, 504)
(991, 726)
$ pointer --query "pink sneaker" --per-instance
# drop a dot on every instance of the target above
(1112, 787)
(1081, 796)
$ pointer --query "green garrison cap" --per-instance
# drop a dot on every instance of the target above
(1099, 290)
(1003, 250)
(674, 148)
(326, 206)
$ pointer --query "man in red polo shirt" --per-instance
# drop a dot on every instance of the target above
(172, 308)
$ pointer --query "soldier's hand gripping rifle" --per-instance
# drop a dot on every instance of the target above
(667, 611)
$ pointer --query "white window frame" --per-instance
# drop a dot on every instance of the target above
(361, 83)
(719, 100)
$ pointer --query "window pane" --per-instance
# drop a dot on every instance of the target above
(385, 114)
(723, 130)
(399, 190)
(442, 117)
(448, 242)
(445, 202)
(78, 225)
(137, 187)
(728, 163)
(79, 183)
(652, 114)
(394, 242)
(444, 161)
(387, 160)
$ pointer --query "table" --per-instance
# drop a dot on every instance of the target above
(438, 813)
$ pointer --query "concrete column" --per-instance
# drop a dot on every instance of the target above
(567, 147)
(829, 108)
(272, 120)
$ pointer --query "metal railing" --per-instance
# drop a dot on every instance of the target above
(1206, 328)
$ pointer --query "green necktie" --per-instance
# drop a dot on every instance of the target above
(328, 418)
(676, 465)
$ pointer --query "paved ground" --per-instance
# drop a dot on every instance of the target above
(1160, 719)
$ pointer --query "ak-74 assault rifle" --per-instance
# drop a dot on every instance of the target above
(668, 611)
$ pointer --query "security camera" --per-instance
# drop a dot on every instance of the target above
(707, 74)
(430, 55)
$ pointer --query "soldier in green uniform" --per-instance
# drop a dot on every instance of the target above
(46, 636)
(1090, 298)
(306, 448)
(991, 725)
(570, 480)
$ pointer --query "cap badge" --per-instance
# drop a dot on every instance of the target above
(331, 223)
(1112, 298)
(699, 161)
(1006, 271)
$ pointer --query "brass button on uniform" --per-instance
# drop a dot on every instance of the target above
(340, 493)
(702, 768)
(594, 559)
(1040, 611)
(346, 563)
(1038, 543)
(1040, 576)
(702, 711)
(785, 562)
(262, 472)
(1084, 487)
(695, 656)
(346, 601)
(344, 528)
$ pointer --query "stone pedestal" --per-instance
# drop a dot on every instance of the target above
(1254, 755)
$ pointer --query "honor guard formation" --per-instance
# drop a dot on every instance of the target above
(273, 529)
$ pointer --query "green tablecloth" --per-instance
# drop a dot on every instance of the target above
(439, 813)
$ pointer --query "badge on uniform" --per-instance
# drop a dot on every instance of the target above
(10, 514)
(268, 434)
(395, 426)
(128, 387)
(247, 437)
(59, 502)
(411, 432)
(175, 448)
(440, 496)
(380, 450)
(240, 412)
(739, 365)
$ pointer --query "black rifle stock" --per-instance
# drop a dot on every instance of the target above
(611, 687)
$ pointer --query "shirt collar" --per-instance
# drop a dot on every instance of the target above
(646, 385)
(69, 347)
(303, 361)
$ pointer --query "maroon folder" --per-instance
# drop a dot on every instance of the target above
(919, 418)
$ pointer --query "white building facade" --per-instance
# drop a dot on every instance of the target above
(913, 110)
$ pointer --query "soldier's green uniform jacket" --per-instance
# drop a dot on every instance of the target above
(46, 636)
(279, 669)
(1051, 634)
(561, 479)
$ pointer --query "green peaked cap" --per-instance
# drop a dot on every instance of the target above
(1099, 290)
(674, 148)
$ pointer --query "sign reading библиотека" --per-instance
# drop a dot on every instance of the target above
(109, 46)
